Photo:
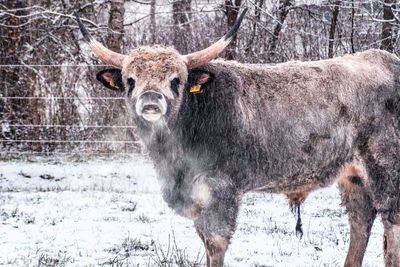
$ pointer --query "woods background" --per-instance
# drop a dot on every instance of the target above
(49, 99)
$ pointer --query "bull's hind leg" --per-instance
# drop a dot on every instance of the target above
(380, 151)
(391, 240)
(361, 215)
(217, 220)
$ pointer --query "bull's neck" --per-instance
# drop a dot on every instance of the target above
(159, 140)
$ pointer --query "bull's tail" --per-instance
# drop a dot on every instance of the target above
(295, 200)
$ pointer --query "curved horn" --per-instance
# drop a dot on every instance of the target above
(204, 56)
(105, 54)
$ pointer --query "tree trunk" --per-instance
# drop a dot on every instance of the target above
(283, 11)
(116, 26)
(153, 21)
(181, 13)
(232, 9)
(13, 111)
(258, 5)
(115, 43)
(333, 29)
(387, 26)
(353, 11)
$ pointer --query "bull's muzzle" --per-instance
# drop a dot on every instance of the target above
(151, 106)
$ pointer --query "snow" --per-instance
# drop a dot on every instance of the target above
(110, 212)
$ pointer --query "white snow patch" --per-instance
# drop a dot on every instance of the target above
(81, 214)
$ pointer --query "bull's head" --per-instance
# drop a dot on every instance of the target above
(153, 78)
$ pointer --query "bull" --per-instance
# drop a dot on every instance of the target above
(216, 129)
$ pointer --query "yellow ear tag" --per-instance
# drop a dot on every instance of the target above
(113, 85)
(196, 89)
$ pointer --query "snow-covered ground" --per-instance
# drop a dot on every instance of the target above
(110, 213)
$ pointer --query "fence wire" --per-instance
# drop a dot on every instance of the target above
(71, 141)
(96, 139)
(51, 65)
(60, 97)
(66, 126)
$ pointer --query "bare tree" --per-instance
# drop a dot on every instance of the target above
(282, 12)
(258, 5)
(181, 12)
(332, 30)
(353, 11)
(14, 111)
(153, 25)
(116, 25)
(387, 25)
(232, 9)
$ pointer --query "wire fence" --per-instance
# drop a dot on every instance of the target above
(38, 133)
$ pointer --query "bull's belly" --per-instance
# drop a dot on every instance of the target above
(312, 181)
(292, 184)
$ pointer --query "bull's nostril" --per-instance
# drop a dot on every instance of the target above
(159, 96)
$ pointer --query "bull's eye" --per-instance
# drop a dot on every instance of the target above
(175, 85)
(131, 83)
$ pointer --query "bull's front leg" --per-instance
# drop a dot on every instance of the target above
(216, 221)
(361, 215)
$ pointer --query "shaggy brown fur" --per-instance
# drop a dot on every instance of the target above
(296, 198)
(287, 128)
(154, 68)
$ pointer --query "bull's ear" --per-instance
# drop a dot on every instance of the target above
(198, 79)
(203, 77)
(112, 79)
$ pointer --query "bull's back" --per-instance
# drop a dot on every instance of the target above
(306, 116)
